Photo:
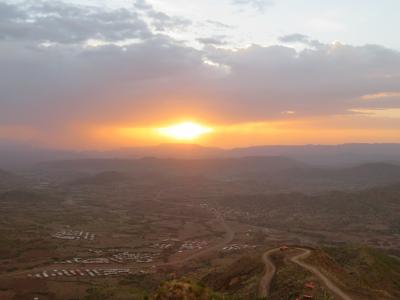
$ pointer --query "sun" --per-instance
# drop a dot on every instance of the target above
(185, 131)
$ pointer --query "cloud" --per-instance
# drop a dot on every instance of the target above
(259, 5)
(10, 12)
(294, 38)
(161, 77)
(64, 23)
(159, 20)
(55, 88)
(214, 40)
(143, 5)
(219, 25)
(60, 22)
(299, 38)
(381, 95)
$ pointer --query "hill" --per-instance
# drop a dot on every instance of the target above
(281, 172)
(9, 180)
(184, 289)
(102, 178)
(181, 151)
(239, 279)
(360, 176)
(368, 216)
(367, 272)
(14, 156)
(330, 155)
(246, 166)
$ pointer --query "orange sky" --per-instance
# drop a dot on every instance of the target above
(138, 68)
(329, 130)
(365, 126)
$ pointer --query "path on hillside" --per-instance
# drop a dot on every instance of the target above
(298, 259)
(269, 272)
(270, 269)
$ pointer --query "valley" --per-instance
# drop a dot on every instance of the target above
(117, 234)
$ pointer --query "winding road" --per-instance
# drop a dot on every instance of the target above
(270, 269)
(298, 259)
(269, 272)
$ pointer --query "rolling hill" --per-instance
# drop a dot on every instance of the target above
(23, 156)
(9, 180)
(262, 170)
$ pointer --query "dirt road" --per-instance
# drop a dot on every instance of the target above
(298, 259)
(270, 269)
(269, 272)
(229, 235)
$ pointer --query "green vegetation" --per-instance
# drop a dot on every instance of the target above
(185, 290)
(289, 282)
(126, 214)
(361, 270)
(239, 279)
(115, 292)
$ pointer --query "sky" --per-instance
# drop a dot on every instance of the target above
(96, 74)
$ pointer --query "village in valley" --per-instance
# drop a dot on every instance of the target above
(88, 234)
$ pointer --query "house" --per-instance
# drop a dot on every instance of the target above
(309, 285)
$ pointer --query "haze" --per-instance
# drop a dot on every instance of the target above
(199, 150)
(106, 74)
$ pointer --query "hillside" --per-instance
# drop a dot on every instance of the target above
(23, 156)
(9, 180)
(184, 289)
(329, 155)
(246, 166)
(369, 216)
(239, 279)
(103, 178)
(364, 271)
(374, 172)
(266, 170)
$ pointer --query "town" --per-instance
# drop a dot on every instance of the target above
(74, 235)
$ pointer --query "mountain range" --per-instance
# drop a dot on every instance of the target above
(22, 156)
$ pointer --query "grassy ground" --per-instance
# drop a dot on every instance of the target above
(289, 282)
(239, 279)
(185, 290)
(365, 271)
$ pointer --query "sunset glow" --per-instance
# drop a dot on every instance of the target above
(168, 135)
(185, 131)
(140, 73)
